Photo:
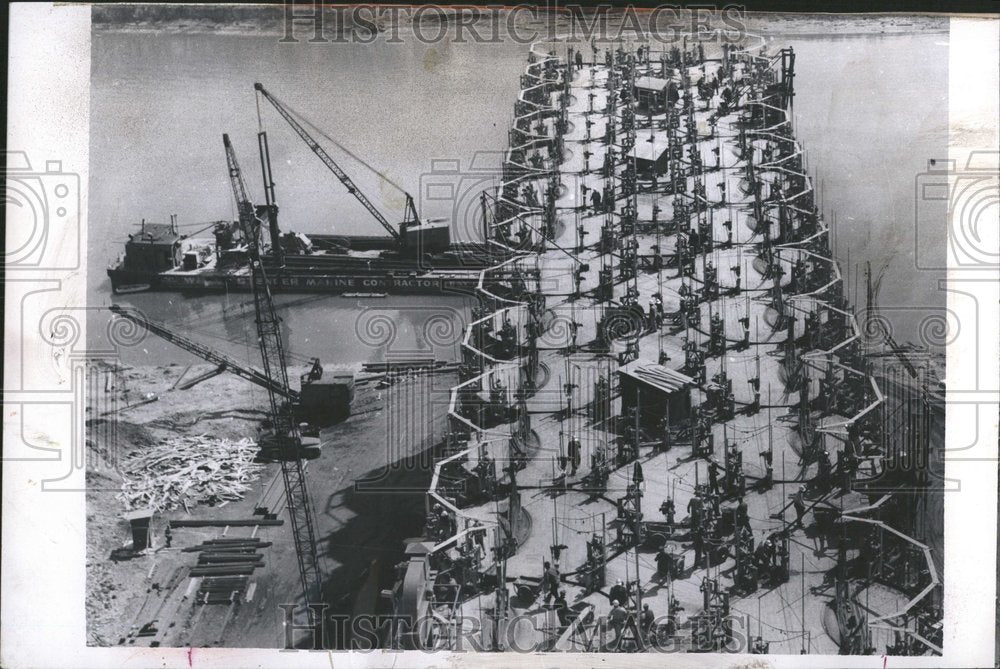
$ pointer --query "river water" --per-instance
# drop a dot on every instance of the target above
(870, 110)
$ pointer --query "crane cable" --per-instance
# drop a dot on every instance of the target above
(305, 121)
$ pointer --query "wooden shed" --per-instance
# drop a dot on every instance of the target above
(650, 92)
(651, 157)
(658, 391)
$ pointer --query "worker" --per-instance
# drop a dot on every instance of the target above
(579, 59)
(824, 470)
(595, 200)
(479, 537)
(637, 476)
(667, 509)
(759, 647)
(617, 618)
(563, 462)
(768, 457)
(646, 621)
(486, 472)
(799, 503)
(765, 556)
(445, 521)
(528, 194)
(694, 510)
(744, 321)
(550, 581)
(713, 477)
(664, 563)
(434, 522)
(846, 463)
(562, 607)
(169, 536)
(742, 514)
(618, 593)
(699, 546)
(715, 501)
(665, 442)
(574, 451)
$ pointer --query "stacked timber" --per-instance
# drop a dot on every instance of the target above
(226, 566)
(188, 471)
(221, 589)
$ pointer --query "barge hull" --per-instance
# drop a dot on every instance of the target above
(123, 282)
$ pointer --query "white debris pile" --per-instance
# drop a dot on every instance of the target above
(188, 471)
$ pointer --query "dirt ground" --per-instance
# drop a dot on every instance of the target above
(360, 526)
(113, 431)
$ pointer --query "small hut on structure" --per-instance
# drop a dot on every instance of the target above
(658, 391)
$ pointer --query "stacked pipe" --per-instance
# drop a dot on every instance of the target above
(228, 557)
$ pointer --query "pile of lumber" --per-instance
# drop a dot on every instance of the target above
(221, 589)
(224, 522)
(402, 364)
(188, 471)
(226, 565)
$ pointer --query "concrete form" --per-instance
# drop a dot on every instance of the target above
(749, 303)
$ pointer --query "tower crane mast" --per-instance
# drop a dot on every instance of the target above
(285, 432)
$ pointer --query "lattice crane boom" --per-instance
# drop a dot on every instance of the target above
(285, 429)
(411, 211)
(204, 352)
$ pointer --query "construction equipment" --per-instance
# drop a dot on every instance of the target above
(321, 400)
(284, 435)
(414, 237)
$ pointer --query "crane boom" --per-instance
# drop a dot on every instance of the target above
(285, 429)
(205, 353)
(411, 212)
(244, 207)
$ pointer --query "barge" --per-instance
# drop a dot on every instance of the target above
(415, 257)
(158, 257)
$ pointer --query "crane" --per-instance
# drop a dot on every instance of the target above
(206, 353)
(285, 431)
(410, 215)
(319, 402)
